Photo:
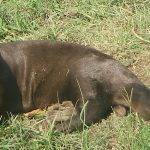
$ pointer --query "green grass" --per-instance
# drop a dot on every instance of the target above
(117, 27)
(114, 133)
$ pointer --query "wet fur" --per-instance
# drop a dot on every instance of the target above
(37, 74)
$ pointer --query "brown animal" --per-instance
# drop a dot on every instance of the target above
(37, 74)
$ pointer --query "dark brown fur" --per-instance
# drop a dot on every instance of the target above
(36, 74)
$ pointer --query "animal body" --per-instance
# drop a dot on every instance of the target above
(38, 74)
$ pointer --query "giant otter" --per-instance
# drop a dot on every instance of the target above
(37, 74)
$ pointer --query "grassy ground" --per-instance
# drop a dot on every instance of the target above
(117, 27)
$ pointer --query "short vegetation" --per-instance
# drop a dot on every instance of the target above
(117, 27)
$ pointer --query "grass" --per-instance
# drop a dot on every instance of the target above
(114, 133)
(117, 27)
